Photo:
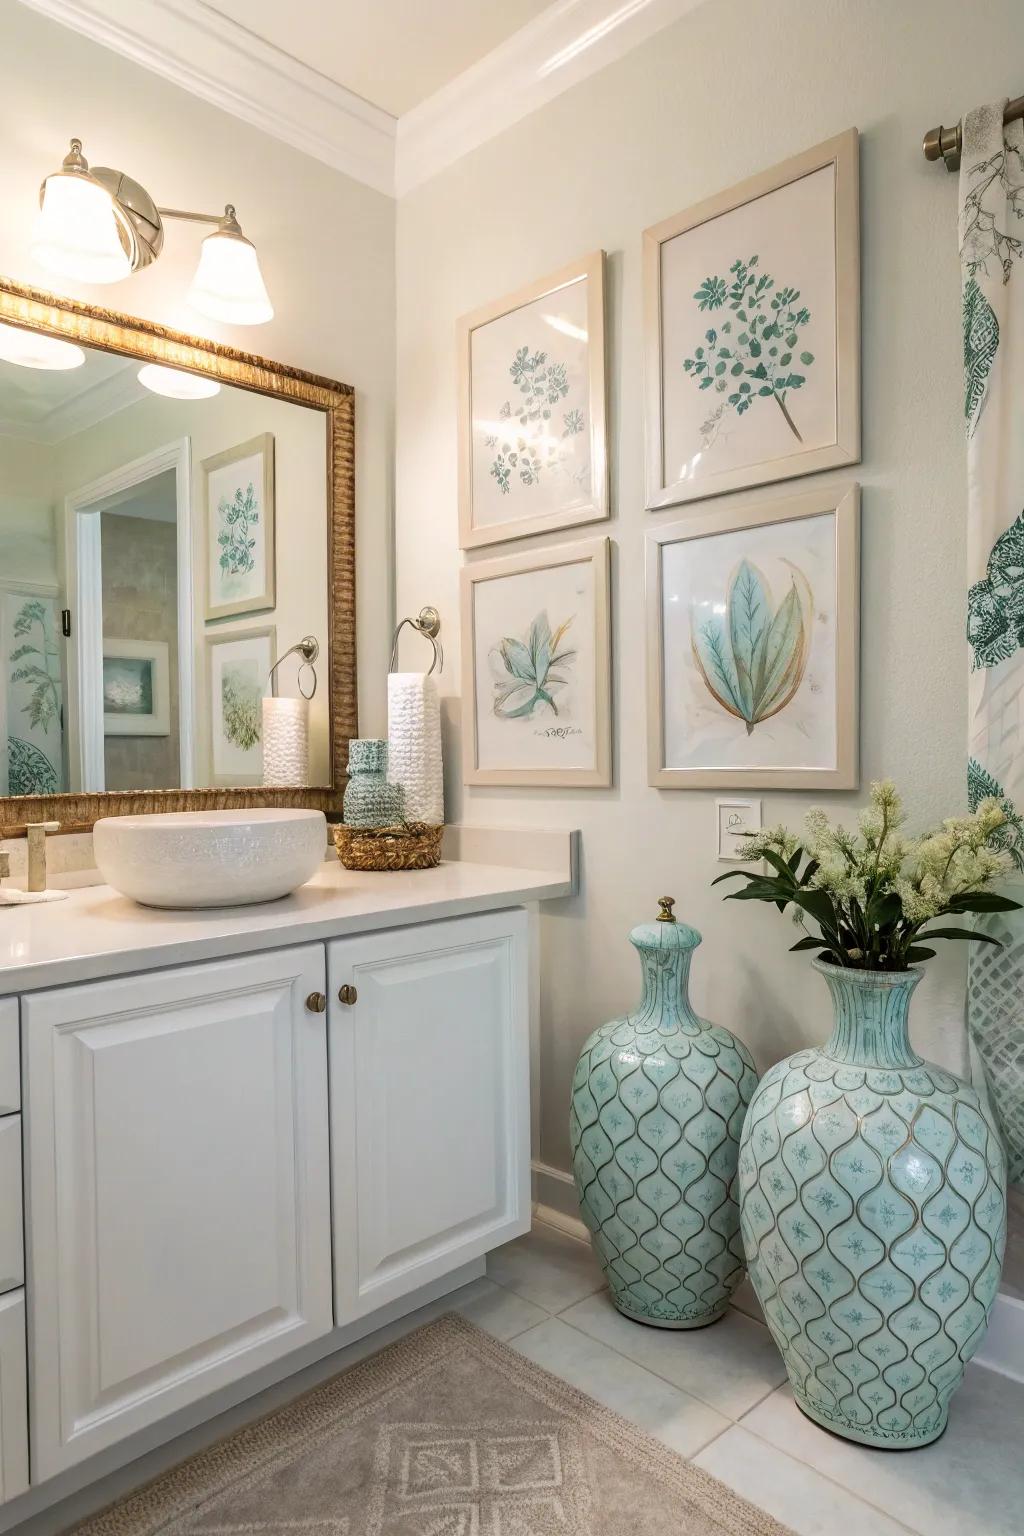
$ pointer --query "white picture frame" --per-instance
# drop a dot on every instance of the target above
(238, 529)
(733, 399)
(136, 687)
(532, 408)
(536, 668)
(238, 678)
(753, 645)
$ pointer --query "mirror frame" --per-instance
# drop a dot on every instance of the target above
(35, 310)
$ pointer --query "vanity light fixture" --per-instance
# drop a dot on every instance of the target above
(31, 349)
(97, 225)
(175, 384)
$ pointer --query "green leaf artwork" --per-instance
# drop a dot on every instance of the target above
(1009, 837)
(753, 661)
(35, 672)
(535, 443)
(237, 518)
(754, 354)
(981, 341)
(240, 704)
(530, 677)
(995, 605)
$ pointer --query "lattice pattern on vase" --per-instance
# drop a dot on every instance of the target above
(995, 1016)
(873, 1203)
(658, 1101)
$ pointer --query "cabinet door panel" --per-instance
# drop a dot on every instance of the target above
(429, 1103)
(13, 1398)
(178, 1201)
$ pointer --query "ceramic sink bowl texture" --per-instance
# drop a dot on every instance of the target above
(210, 858)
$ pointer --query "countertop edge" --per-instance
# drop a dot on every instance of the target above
(506, 887)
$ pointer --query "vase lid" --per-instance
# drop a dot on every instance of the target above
(666, 932)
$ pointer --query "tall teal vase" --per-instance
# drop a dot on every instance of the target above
(873, 1200)
(658, 1101)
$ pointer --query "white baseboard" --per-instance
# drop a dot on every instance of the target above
(1002, 1348)
(554, 1201)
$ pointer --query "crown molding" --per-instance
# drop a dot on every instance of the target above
(562, 46)
(82, 411)
(222, 62)
(216, 59)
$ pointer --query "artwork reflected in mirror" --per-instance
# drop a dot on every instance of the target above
(142, 587)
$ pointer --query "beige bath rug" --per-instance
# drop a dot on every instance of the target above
(446, 1433)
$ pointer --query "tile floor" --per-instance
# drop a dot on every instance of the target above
(718, 1396)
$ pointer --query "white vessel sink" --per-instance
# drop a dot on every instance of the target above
(210, 858)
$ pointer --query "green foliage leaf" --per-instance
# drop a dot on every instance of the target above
(961, 933)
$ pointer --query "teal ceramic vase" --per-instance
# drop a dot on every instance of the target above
(658, 1101)
(370, 801)
(873, 1201)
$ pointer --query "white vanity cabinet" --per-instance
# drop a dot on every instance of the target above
(178, 1190)
(233, 1160)
(429, 1046)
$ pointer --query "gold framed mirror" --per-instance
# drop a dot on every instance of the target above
(286, 589)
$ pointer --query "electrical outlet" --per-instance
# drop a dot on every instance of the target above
(732, 819)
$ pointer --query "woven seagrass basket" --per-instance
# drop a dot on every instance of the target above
(415, 846)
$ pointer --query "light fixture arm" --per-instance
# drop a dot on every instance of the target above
(226, 221)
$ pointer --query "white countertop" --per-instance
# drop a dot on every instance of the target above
(97, 933)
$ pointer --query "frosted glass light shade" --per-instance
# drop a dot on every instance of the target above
(228, 284)
(286, 741)
(78, 233)
(29, 349)
(175, 384)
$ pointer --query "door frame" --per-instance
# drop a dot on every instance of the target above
(84, 581)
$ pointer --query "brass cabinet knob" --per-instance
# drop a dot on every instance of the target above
(347, 995)
(316, 1002)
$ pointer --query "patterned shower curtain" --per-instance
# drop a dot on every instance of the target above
(992, 271)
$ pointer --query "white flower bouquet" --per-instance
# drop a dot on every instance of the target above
(873, 892)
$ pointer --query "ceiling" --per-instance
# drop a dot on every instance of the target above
(393, 53)
(46, 406)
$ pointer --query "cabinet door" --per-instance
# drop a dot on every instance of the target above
(13, 1398)
(178, 1190)
(429, 1102)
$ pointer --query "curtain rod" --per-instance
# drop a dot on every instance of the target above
(946, 143)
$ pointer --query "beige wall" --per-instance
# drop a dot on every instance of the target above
(28, 549)
(731, 89)
(326, 245)
(140, 602)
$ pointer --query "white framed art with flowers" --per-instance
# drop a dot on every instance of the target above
(532, 428)
(536, 668)
(238, 511)
(752, 330)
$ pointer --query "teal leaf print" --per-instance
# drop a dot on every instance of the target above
(753, 362)
(237, 518)
(530, 670)
(995, 605)
(37, 664)
(754, 663)
(981, 785)
(529, 449)
(981, 341)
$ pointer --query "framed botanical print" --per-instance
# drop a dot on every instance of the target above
(239, 678)
(136, 688)
(752, 331)
(532, 431)
(238, 504)
(752, 645)
(535, 668)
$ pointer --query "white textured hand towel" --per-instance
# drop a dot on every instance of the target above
(414, 745)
